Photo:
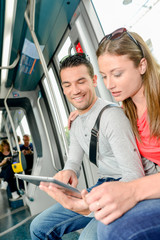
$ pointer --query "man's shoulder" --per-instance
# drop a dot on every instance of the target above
(112, 112)
(104, 105)
(22, 146)
(95, 110)
(103, 102)
(31, 146)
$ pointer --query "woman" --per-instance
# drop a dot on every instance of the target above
(132, 76)
(7, 173)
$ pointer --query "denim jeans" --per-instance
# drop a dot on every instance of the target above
(56, 221)
(90, 231)
(140, 223)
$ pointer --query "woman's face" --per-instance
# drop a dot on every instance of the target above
(5, 147)
(120, 76)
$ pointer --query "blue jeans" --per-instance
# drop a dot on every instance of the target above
(56, 221)
(90, 231)
(140, 223)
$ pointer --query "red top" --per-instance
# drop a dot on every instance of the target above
(148, 148)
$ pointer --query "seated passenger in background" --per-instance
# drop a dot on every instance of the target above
(27, 147)
(7, 173)
(27, 150)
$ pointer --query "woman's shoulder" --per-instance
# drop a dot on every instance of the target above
(1, 156)
(5, 155)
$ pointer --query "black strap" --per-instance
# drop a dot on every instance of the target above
(95, 135)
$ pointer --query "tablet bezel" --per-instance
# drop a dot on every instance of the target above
(67, 189)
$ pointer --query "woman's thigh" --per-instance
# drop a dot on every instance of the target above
(8, 173)
(140, 223)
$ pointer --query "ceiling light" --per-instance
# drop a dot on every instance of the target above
(126, 2)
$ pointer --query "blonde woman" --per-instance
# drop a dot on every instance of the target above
(7, 173)
(132, 76)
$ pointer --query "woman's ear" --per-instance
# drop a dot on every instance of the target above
(95, 81)
(143, 66)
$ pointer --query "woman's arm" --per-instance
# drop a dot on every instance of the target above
(147, 187)
(111, 200)
(72, 117)
(4, 161)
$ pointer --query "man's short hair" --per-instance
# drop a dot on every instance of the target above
(26, 135)
(77, 60)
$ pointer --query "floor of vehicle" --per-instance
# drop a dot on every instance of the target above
(15, 222)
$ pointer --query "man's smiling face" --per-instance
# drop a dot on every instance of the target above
(79, 87)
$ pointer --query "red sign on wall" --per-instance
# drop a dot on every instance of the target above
(79, 48)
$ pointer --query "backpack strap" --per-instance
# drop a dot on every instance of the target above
(93, 151)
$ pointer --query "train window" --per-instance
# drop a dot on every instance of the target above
(19, 132)
(58, 109)
(24, 126)
(66, 49)
(135, 16)
(82, 33)
(0, 118)
(58, 98)
(20, 123)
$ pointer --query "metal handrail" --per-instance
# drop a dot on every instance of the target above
(13, 65)
(14, 131)
(43, 62)
(46, 131)
(10, 118)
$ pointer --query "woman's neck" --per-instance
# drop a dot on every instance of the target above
(6, 152)
(140, 102)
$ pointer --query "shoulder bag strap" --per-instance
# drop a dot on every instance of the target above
(93, 151)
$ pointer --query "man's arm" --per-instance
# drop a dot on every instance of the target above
(74, 204)
(67, 176)
(76, 154)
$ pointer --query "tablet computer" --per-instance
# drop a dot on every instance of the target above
(67, 189)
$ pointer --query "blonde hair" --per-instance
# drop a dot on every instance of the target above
(150, 79)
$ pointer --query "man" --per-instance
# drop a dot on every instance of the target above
(116, 161)
(27, 147)
(27, 150)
